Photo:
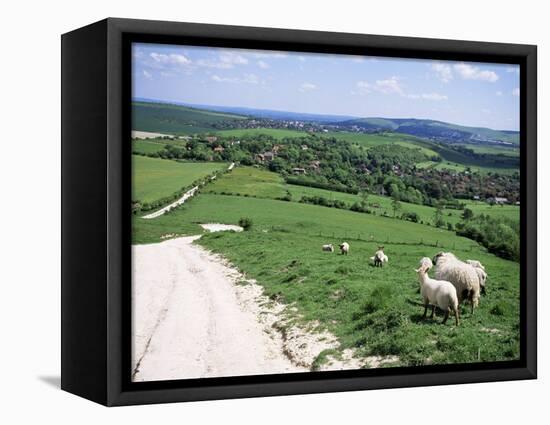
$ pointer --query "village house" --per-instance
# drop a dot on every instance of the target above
(219, 148)
(268, 156)
(498, 200)
(297, 170)
(305, 147)
(315, 165)
(211, 139)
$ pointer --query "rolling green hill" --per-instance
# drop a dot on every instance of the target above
(375, 311)
(176, 119)
(155, 179)
(434, 129)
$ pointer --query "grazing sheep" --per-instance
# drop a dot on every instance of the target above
(328, 248)
(379, 257)
(481, 274)
(438, 293)
(344, 248)
(476, 264)
(462, 275)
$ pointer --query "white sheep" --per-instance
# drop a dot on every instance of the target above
(328, 248)
(476, 264)
(481, 274)
(462, 275)
(379, 257)
(438, 293)
(344, 248)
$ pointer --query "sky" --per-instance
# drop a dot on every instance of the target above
(467, 93)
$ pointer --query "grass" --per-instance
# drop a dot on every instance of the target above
(175, 119)
(370, 140)
(145, 146)
(376, 311)
(494, 150)
(155, 179)
(273, 132)
(249, 181)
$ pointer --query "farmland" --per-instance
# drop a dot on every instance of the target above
(371, 311)
(154, 179)
(249, 181)
(374, 311)
(276, 133)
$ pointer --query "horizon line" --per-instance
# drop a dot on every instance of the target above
(181, 103)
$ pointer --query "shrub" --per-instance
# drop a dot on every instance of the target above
(245, 223)
(410, 216)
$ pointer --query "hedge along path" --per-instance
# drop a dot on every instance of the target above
(189, 194)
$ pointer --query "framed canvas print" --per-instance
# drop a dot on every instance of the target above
(253, 212)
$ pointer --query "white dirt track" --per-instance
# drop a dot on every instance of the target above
(192, 321)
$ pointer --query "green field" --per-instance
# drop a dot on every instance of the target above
(145, 146)
(370, 140)
(375, 311)
(250, 181)
(273, 132)
(495, 150)
(154, 179)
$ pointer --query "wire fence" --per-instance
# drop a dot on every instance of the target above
(351, 236)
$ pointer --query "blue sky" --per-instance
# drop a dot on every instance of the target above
(474, 94)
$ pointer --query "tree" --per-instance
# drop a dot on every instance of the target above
(364, 198)
(395, 205)
(438, 216)
(467, 214)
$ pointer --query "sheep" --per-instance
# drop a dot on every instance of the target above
(475, 264)
(438, 293)
(344, 248)
(328, 248)
(462, 275)
(379, 257)
(481, 274)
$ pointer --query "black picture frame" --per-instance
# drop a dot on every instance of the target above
(96, 228)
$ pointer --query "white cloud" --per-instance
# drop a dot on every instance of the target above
(443, 71)
(515, 92)
(246, 79)
(498, 93)
(274, 55)
(263, 65)
(389, 86)
(392, 86)
(233, 58)
(470, 72)
(147, 75)
(511, 69)
(301, 59)
(307, 87)
(173, 58)
(433, 96)
(225, 60)
(364, 87)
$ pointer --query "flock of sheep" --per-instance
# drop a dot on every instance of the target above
(455, 280)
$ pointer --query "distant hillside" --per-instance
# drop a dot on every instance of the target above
(260, 113)
(176, 119)
(435, 130)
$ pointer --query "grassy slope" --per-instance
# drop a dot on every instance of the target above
(453, 160)
(273, 132)
(145, 146)
(155, 178)
(264, 184)
(175, 119)
(374, 310)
